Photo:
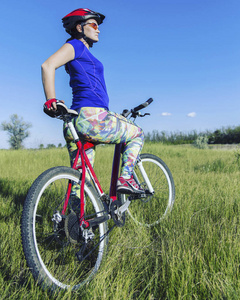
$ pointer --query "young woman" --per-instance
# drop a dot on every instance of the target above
(95, 122)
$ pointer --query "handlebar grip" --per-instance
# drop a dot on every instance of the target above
(143, 105)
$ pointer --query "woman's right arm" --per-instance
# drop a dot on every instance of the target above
(65, 54)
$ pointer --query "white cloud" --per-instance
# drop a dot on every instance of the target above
(192, 115)
(166, 114)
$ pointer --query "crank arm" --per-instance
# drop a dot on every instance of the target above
(98, 220)
(123, 207)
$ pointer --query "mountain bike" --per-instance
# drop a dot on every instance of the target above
(65, 233)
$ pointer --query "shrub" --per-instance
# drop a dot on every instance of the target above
(201, 142)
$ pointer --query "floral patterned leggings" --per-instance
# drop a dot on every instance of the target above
(99, 125)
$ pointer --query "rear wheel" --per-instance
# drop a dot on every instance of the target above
(58, 252)
(153, 208)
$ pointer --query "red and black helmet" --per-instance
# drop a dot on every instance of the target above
(80, 15)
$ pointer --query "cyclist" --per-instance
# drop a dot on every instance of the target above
(95, 123)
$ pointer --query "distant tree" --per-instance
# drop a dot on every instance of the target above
(41, 146)
(17, 129)
(50, 146)
(148, 137)
(60, 145)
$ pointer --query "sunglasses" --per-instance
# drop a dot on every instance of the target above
(93, 25)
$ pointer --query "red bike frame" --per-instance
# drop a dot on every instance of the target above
(85, 164)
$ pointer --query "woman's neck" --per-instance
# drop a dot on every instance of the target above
(84, 42)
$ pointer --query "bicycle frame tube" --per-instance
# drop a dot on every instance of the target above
(115, 172)
(89, 167)
(67, 197)
(92, 174)
(145, 177)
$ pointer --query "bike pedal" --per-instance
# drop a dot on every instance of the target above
(137, 196)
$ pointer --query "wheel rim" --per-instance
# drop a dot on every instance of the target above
(55, 249)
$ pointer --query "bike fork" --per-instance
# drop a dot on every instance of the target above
(145, 177)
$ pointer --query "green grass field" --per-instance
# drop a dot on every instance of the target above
(193, 254)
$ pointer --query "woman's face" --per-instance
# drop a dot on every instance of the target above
(90, 30)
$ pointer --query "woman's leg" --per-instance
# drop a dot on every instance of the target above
(99, 125)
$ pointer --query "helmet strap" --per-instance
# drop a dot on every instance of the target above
(89, 41)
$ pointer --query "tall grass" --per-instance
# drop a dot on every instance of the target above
(194, 254)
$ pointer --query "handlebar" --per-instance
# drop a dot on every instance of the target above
(135, 111)
(62, 111)
(145, 104)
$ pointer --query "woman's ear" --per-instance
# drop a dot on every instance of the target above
(79, 27)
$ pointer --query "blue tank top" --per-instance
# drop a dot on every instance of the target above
(86, 79)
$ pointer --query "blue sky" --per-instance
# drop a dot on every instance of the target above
(185, 54)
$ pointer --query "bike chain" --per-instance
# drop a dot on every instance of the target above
(79, 253)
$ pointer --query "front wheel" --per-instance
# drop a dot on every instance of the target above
(154, 207)
(58, 252)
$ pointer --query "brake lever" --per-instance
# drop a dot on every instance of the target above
(138, 114)
(146, 114)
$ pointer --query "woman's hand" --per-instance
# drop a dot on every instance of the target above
(50, 106)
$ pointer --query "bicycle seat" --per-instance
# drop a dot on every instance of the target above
(61, 111)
